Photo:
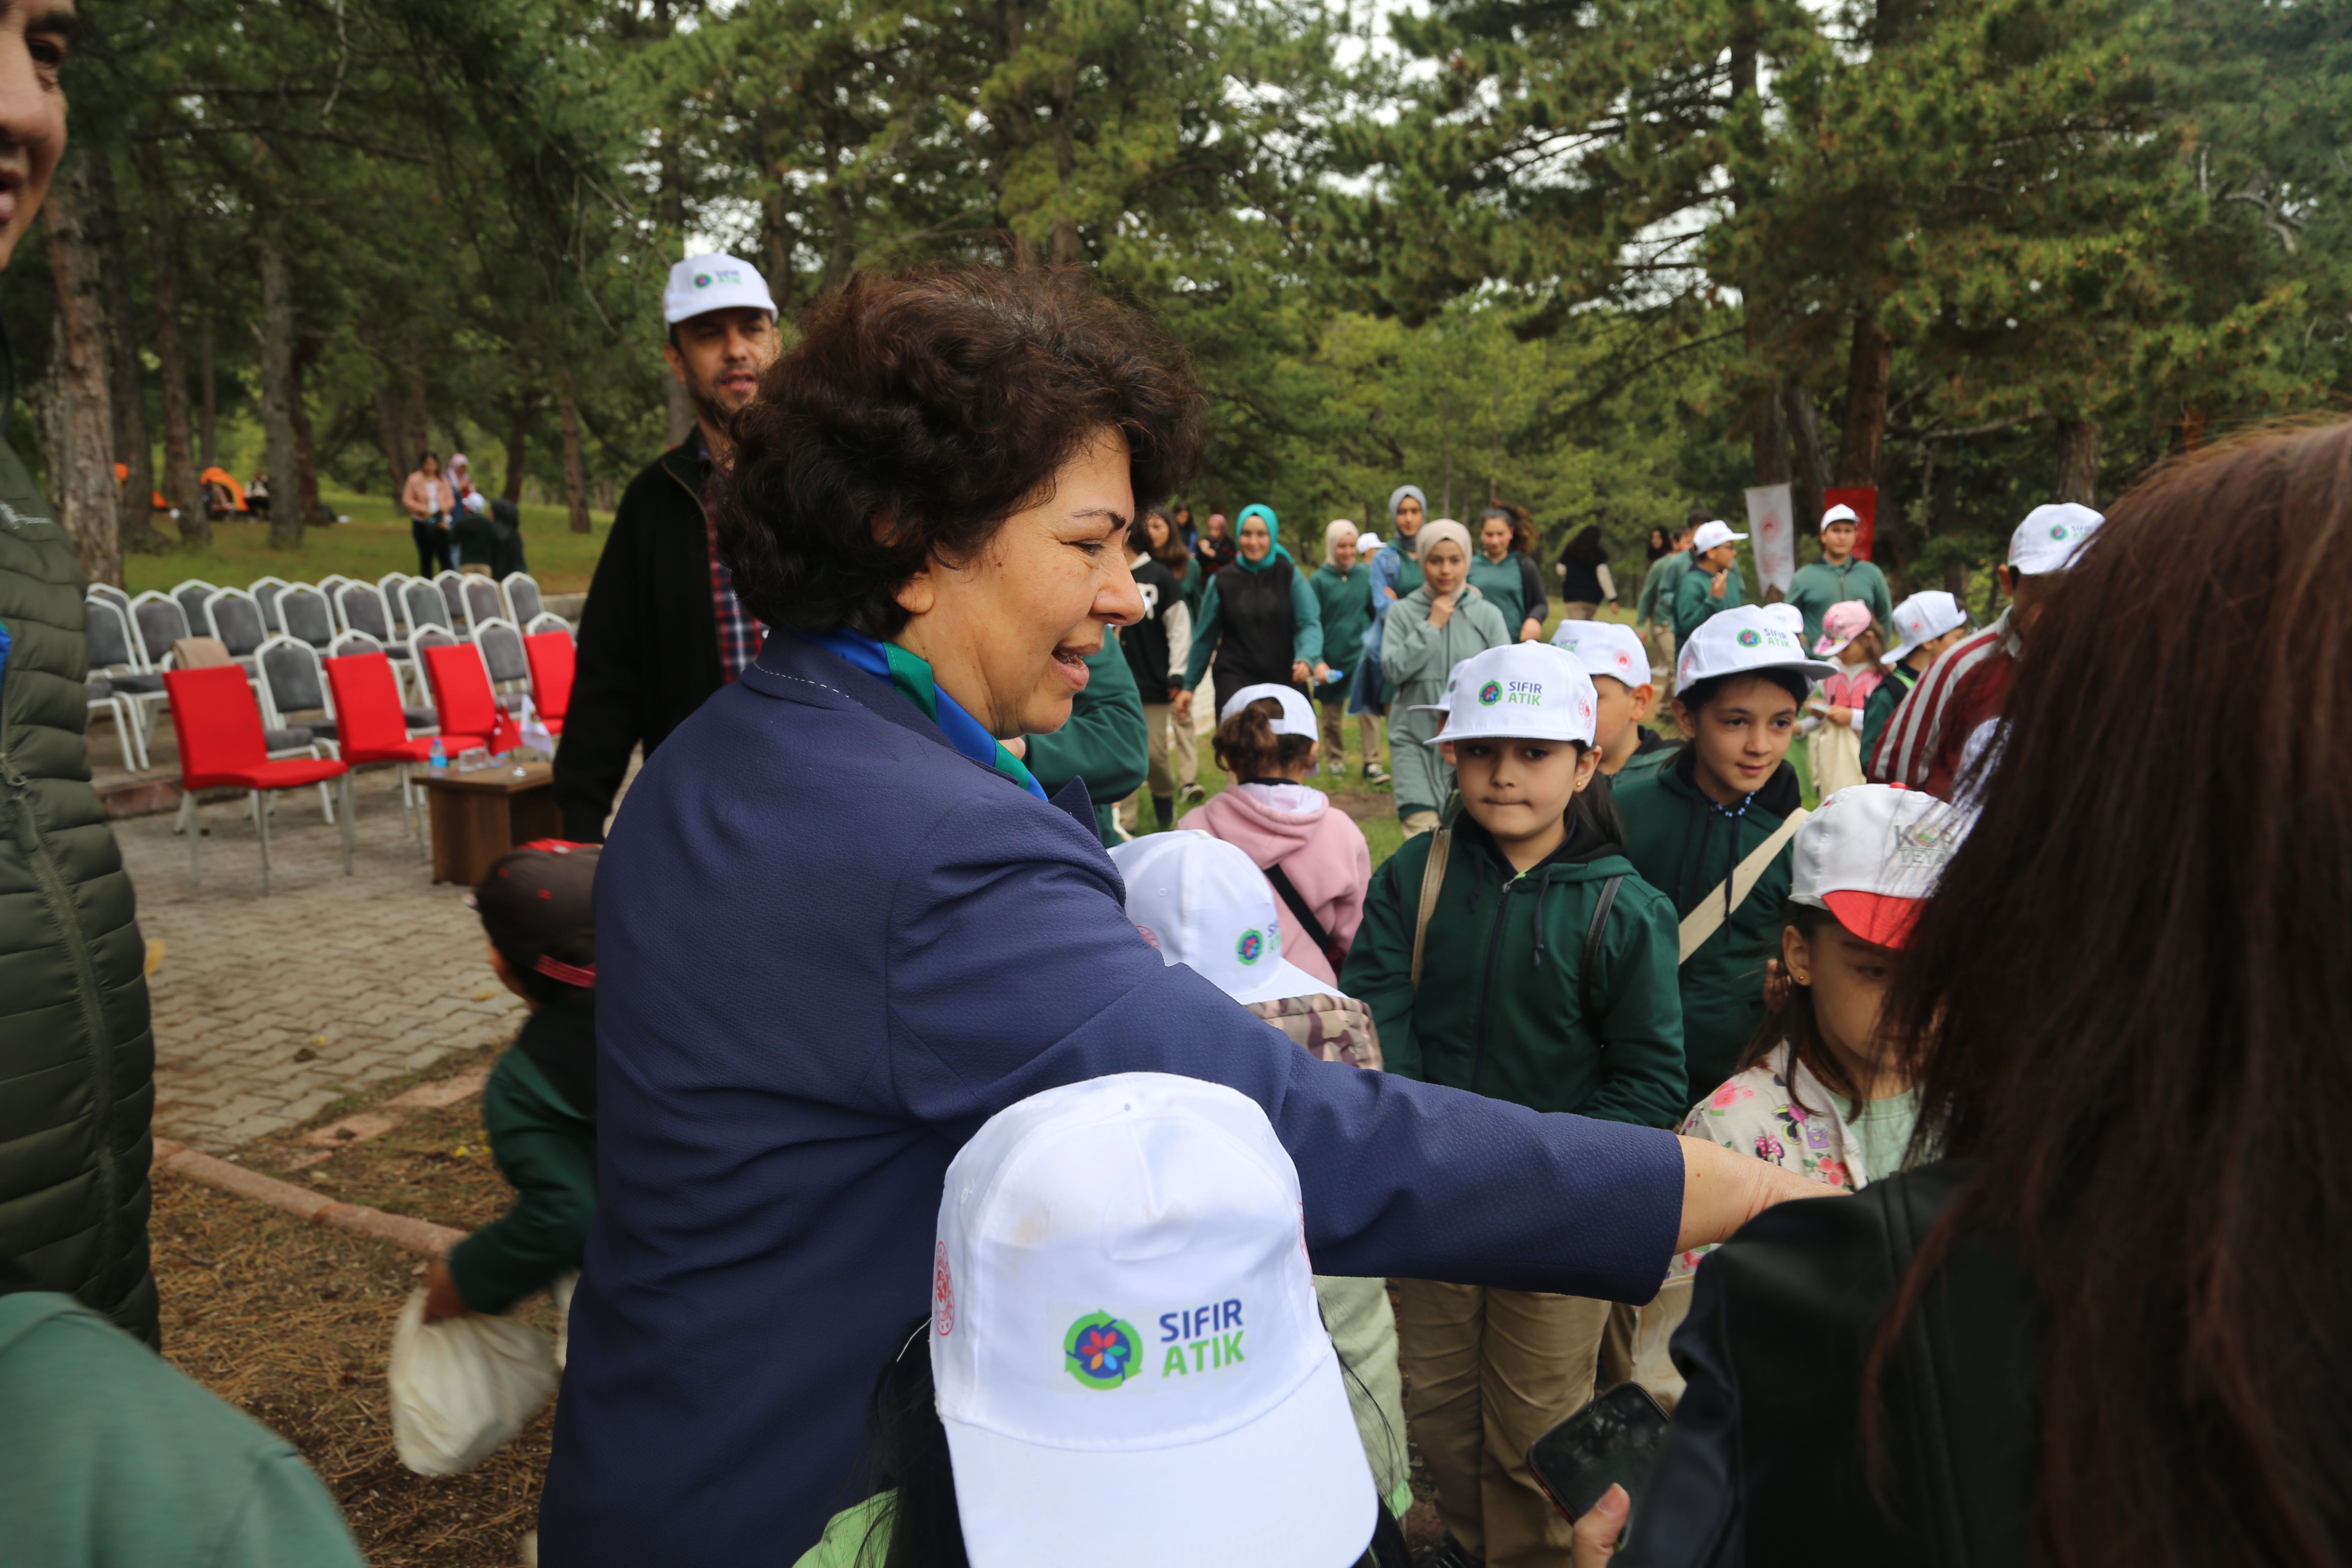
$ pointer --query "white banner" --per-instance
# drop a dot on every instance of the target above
(1773, 532)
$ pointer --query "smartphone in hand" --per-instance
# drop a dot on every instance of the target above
(1615, 1439)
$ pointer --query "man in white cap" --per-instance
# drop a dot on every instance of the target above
(1713, 584)
(1953, 711)
(663, 629)
(1838, 575)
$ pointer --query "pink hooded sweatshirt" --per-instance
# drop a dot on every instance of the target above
(1322, 851)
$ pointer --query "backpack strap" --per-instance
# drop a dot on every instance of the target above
(1592, 935)
(1432, 876)
(1707, 919)
(1316, 932)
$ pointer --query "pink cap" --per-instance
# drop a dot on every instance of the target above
(1840, 625)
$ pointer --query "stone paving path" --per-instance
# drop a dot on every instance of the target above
(269, 1010)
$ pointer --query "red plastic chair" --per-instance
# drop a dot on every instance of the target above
(221, 747)
(550, 655)
(371, 724)
(463, 698)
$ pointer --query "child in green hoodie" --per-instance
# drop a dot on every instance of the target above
(1711, 829)
(1542, 971)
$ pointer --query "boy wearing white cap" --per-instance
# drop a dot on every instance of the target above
(1515, 954)
(1952, 714)
(1619, 663)
(1713, 584)
(1925, 626)
(663, 628)
(1838, 575)
(1710, 828)
(1124, 1354)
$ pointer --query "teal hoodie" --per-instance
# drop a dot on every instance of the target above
(1502, 1009)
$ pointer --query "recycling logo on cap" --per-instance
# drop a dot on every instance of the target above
(702, 279)
(2059, 530)
(1252, 946)
(1749, 638)
(1490, 694)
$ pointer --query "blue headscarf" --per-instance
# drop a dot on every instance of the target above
(1273, 538)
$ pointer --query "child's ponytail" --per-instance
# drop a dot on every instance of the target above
(1247, 748)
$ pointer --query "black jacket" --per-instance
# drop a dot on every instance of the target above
(1766, 1462)
(1146, 642)
(648, 638)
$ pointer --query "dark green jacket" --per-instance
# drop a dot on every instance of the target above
(1885, 698)
(546, 1149)
(1696, 603)
(1502, 1005)
(1819, 585)
(77, 1053)
(1104, 743)
(110, 1457)
(1346, 599)
(1687, 847)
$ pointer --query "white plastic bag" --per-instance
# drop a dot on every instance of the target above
(462, 1387)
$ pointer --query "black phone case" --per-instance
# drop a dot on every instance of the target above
(1615, 1439)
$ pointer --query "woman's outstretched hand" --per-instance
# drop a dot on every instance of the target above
(1723, 1190)
(1604, 1522)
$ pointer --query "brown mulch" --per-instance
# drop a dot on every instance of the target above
(291, 1321)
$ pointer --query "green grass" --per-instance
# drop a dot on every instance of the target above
(377, 540)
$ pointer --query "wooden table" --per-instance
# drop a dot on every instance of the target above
(480, 816)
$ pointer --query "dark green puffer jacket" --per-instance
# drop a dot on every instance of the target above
(77, 1053)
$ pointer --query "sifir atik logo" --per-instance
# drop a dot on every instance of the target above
(1201, 1340)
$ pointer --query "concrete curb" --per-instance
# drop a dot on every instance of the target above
(415, 1236)
(385, 1115)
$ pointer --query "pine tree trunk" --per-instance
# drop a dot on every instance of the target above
(518, 449)
(1867, 370)
(306, 451)
(1805, 435)
(209, 426)
(420, 424)
(280, 451)
(180, 486)
(76, 413)
(575, 469)
(2078, 461)
(135, 494)
(387, 435)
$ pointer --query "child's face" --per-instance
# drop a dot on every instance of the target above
(1444, 567)
(1934, 647)
(1719, 559)
(1848, 978)
(1519, 789)
(1741, 736)
(1618, 709)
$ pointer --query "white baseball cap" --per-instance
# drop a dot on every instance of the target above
(1840, 514)
(702, 284)
(1785, 616)
(2050, 536)
(1525, 691)
(1297, 717)
(1367, 542)
(1711, 535)
(1122, 1312)
(1921, 618)
(1203, 903)
(1869, 854)
(1750, 637)
(1605, 648)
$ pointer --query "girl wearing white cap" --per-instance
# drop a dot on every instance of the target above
(1711, 829)
(1429, 631)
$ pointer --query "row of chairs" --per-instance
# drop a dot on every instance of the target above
(225, 728)
(465, 601)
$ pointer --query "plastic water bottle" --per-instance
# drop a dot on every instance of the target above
(440, 757)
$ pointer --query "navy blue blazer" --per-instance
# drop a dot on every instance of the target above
(829, 947)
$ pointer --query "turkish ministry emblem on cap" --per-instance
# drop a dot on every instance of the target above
(1605, 648)
(2051, 536)
(1524, 691)
(1136, 1318)
(1923, 617)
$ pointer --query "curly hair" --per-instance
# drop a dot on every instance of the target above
(922, 409)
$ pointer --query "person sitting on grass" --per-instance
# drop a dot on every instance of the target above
(540, 1105)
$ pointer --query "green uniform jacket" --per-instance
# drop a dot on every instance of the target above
(1416, 660)
(1687, 847)
(1657, 600)
(547, 1152)
(1884, 700)
(1105, 742)
(77, 1052)
(111, 1458)
(1346, 600)
(1512, 585)
(1192, 583)
(1818, 586)
(1695, 605)
(1501, 1009)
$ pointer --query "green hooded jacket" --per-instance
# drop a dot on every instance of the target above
(546, 1149)
(1105, 742)
(77, 1052)
(1687, 847)
(1346, 600)
(1696, 603)
(1885, 698)
(1502, 1010)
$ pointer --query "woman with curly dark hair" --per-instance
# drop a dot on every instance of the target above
(839, 926)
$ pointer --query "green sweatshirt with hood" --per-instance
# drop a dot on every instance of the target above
(1687, 847)
(1504, 1009)
(1105, 742)
(1885, 698)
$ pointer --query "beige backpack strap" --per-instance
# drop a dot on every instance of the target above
(1707, 919)
(1432, 876)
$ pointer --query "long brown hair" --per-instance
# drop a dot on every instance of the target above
(2129, 1000)
(1247, 748)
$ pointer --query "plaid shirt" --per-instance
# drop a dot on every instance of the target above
(739, 632)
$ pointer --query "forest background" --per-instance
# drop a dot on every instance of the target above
(1607, 261)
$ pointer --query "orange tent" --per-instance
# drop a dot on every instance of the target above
(218, 475)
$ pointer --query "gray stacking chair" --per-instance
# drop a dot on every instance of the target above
(160, 620)
(192, 595)
(264, 592)
(114, 657)
(234, 616)
(482, 602)
(523, 602)
(451, 586)
(303, 612)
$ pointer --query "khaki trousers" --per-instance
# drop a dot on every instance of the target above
(1165, 740)
(1418, 823)
(1489, 1372)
